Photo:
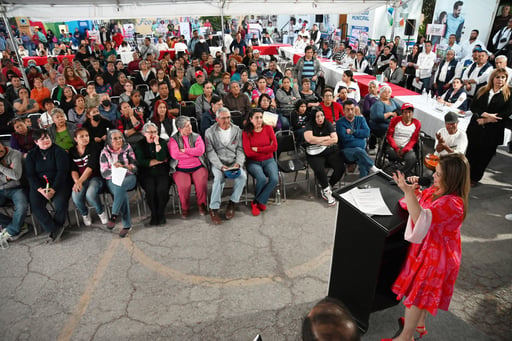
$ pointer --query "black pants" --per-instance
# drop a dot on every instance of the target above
(157, 195)
(60, 203)
(479, 158)
(328, 158)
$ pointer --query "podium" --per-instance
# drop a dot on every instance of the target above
(368, 251)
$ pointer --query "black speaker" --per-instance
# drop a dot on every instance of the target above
(410, 26)
(319, 18)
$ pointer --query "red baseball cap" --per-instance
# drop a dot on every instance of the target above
(406, 106)
(199, 73)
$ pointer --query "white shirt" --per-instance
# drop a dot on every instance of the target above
(459, 101)
(353, 90)
(162, 46)
(474, 75)
(467, 48)
(225, 135)
(502, 37)
(458, 141)
(403, 133)
(425, 64)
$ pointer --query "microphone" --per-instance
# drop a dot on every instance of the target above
(423, 181)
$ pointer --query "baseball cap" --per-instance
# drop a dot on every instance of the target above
(478, 49)
(268, 74)
(256, 51)
(199, 73)
(406, 106)
(451, 117)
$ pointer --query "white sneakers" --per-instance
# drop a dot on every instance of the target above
(87, 219)
(103, 217)
(374, 170)
(327, 195)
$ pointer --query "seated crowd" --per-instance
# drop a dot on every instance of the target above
(98, 125)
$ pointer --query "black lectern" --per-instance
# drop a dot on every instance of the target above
(368, 251)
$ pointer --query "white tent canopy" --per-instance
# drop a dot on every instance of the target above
(65, 10)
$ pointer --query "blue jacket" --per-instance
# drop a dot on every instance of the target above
(360, 132)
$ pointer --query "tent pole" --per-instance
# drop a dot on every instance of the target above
(223, 2)
(15, 45)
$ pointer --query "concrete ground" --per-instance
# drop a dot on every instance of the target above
(191, 280)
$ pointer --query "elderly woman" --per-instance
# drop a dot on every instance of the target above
(321, 151)
(24, 104)
(61, 131)
(370, 99)
(78, 114)
(381, 114)
(47, 171)
(188, 165)
(97, 126)
(145, 74)
(491, 107)
(259, 142)
(85, 172)
(117, 153)
(153, 172)
(39, 92)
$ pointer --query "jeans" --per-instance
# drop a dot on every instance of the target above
(121, 204)
(19, 199)
(218, 186)
(266, 175)
(91, 190)
(360, 157)
(60, 202)
(184, 183)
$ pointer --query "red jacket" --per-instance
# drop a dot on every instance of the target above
(391, 133)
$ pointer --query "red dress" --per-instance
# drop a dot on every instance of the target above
(428, 275)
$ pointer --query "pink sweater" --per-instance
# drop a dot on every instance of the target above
(189, 158)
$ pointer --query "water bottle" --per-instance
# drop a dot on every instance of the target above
(424, 95)
(278, 197)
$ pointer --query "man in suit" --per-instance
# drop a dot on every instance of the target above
(393, 74)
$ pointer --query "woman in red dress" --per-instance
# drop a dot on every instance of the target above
(433, 260)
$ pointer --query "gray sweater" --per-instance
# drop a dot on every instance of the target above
(11, 169)
(220, 154)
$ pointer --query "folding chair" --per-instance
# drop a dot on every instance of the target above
(188, 108)
(292, 163)
(115, 99)
(5, 139)
(237, 118)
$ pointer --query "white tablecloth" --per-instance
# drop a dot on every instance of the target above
(430, 114)
(289, 51)
(333, 72)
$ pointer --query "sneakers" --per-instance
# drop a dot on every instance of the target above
(23, 231)
(87, 219)
(103, 217)
(124, 232)
(374, 170)
(262, 207)
(327, 195)
(254, 208)
(112, 222)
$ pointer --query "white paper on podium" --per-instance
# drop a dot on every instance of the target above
(118, 175)
(368, 200)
